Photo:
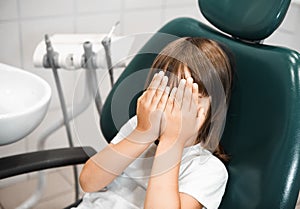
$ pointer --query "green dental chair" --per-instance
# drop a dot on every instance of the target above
(262, 133)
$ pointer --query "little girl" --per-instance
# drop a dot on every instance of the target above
(183, 109)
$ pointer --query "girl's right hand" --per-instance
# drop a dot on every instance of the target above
(184, 116)
(150, 107)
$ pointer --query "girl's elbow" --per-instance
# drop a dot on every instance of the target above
(85, 180)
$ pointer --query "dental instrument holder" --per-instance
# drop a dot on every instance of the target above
(89, 64)
(106, 42)
(50, 58)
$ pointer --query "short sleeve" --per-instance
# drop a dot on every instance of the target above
(125, 130)
(206, 182)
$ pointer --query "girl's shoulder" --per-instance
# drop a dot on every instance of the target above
(199, 161)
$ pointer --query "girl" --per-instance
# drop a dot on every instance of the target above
(184, 109)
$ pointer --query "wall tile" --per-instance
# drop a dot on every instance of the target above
(142, 21)
(100, 23)
(283, 38)
(84, 6)
(87, 129)
(57, 139)
(40, 8)
(172, 13)
(10, 44)
(14, 148)
(181, 3)
(8, 9)
(134, 4)
(290, 21)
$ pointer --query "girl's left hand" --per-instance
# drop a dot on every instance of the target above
(182, 117)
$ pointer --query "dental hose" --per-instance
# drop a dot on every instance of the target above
(50, 57)
(89, 65)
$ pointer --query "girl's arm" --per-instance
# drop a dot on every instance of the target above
(105, 166)
(182, 121)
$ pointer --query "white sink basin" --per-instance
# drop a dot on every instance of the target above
(24, 100)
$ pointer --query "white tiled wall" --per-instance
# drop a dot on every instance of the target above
(23, 24)
(10, 43)
(288, 33)
(44, 8)
(98, 6)
(9, 9)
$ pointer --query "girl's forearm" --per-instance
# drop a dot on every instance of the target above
(106, 165)
(162, 191)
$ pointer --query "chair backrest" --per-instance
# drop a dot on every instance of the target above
(263, 122)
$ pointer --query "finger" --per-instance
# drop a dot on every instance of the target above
(170, 101)
(159, 92)
(156, 80)
(187, 97)
(195, 92)
(163, 101)
(154, 85)
(179, 93)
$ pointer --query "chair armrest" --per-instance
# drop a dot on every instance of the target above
(40, 160)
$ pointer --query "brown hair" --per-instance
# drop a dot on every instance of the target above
(198, 55)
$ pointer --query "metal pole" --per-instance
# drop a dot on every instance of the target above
(51, 60)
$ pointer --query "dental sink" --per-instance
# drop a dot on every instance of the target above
(24, 101)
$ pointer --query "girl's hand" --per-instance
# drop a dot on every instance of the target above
(150, 108)
(182, 116)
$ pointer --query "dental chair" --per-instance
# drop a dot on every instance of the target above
(262, 132)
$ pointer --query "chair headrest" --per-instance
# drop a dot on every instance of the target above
(250, 20)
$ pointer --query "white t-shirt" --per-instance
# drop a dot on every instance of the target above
(201, 175)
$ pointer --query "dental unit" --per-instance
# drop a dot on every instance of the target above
(74, 52)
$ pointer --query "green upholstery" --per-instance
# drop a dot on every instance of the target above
(262, 132)
(245, 19)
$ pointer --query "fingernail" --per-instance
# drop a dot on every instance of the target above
(189, 80)
(195, 85)
(165, 78)
(183, 81)
(161, 73)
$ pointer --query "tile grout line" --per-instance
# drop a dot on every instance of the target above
(20, 35)
(122, 17)
(21, 53)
